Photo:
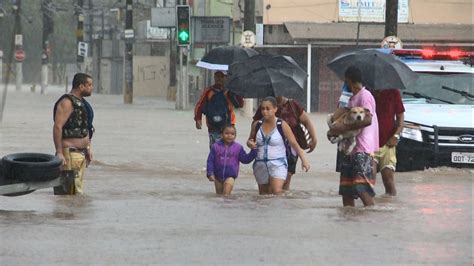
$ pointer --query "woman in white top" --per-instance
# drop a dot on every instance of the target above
(272, 135)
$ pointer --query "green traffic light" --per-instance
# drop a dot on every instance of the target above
(183, 36)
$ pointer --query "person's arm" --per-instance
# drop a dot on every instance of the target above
(236, 100)
(294, 144)
(304, 119)
(399, 121)
(341, 128)
(247, 157)
(89, 156)
(198, 108)
(210, 165)
(63, 111)
(253, 135)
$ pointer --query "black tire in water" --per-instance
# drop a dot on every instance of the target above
(31, 167)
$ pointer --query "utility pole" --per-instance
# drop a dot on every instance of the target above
(1, 50)
(80, 32)
(47, 30)
(129, 37)
(391, 17)
(173, 57)
(249, 24)
(19, 53)
(183, 37)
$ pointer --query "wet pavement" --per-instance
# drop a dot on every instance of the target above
(147, 201)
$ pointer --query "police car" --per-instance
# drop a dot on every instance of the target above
(439, 110)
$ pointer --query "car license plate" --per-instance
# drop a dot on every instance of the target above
(462, 157)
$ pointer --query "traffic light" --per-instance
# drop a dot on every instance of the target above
(183, 25)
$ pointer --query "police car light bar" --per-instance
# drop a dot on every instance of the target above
(431, 54)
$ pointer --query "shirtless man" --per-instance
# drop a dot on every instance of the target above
(73, 129)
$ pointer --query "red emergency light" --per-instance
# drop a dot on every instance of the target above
(427, 53)
(432, 54)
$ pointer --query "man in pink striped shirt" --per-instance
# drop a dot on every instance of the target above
(356, 178)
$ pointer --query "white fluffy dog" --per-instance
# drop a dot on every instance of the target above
(346, 140)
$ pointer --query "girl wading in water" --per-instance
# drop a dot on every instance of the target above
(272, 136)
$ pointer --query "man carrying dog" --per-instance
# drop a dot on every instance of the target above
(390, 116)
(357, 179)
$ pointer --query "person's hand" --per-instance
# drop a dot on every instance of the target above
(330, 136)
(392, 142)
(199, 124)
(312, 145)
(251, 144)
(89, 157)
(61, 157)
(211, 178)
(305, 165)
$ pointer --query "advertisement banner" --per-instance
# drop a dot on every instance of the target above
(369, 11)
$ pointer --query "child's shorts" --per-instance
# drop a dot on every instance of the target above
(273, 168)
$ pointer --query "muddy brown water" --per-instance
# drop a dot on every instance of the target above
(147, 201)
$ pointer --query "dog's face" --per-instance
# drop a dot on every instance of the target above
(357, 114)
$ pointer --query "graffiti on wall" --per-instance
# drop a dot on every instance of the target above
(152, 73)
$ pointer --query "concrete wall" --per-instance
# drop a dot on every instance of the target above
(151, 75)
(420, 11)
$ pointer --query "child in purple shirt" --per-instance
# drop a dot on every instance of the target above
(224, 159)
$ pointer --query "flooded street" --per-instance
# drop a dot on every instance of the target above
(147, 201)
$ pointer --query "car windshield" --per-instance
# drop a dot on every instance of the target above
(441, 88)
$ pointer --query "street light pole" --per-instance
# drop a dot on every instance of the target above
(19, 53)
(80, 32)
(249, 24)
(47, 29)
(391, 18)
(128, 64)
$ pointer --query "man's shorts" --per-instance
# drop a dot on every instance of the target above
(273, 168)
(386, 157)
(356, 175)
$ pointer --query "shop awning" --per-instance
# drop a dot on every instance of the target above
(373, 34)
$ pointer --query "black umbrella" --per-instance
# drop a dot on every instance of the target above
(221, 57)
(380, 70)
(266, 75)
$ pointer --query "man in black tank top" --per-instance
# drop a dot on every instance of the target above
(73, 129)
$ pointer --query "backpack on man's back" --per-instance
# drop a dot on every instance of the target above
(216, 109)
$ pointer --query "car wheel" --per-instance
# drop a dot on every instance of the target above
(31, 167)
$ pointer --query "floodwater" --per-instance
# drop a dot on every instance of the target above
(147, 201)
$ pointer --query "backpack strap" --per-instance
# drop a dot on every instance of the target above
(279, 125)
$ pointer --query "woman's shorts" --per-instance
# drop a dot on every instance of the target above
(274, 168)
